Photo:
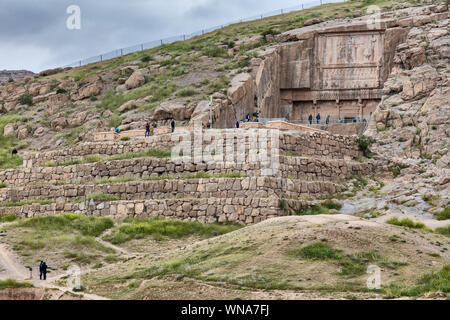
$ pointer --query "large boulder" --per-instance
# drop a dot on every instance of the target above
(136, 80)
(8, 129)
(89, 87)
(422, 80)
(173, 110)
(77, 119)
(55, 102)
(201, 113)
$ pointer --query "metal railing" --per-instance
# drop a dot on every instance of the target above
(156, 43)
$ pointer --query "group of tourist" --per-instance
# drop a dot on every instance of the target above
(150, 130)
(327, 121)
(43, 270)
(248, 118)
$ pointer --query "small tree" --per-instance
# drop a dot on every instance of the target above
(364, 145)
(26, 99)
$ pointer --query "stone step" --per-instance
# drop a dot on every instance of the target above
(206, 210)
(247, 187)
(292, 167)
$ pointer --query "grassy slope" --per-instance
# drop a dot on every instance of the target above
(271, 255)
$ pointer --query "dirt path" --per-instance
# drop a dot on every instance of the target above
(11, 264)
(13, 269)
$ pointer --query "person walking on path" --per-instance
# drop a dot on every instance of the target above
(310, 119)
(318, 118)
(41, 270)
(172, 125)
(44, 270)
(147, 130)
(328, 119)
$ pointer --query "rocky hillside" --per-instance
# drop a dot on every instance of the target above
(61, 107)
(13, 75)
(411, 127)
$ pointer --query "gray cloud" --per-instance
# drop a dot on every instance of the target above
(33, 34)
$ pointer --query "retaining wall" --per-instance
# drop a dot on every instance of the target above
(206, 210)
(292, 167)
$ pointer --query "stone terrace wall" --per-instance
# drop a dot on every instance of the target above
(255, 187)
(206, 210)
(302, 144)
(292, 167)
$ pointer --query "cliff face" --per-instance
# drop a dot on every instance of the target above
(411, 126)
(5, 75)
(412, 122)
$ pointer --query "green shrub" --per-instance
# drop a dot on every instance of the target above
(444, 214)
(186, 92)
(93, 226)
(215, 51)
(26, 99)
(406, 222)
(115, 120)
(146, 58)
(124, 138)
(332, 205)
(7, 217)
(364, 145)
(10, 283)
(61, 91)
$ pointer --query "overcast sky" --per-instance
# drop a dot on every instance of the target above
(34, 36)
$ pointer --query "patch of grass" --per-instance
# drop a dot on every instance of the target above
(315, 251)
(26, 202)
(408, 223)
(429, 198)
(332, 205)
(88, 226)
(151, 153)
(444, 214)
(67, 237)
(124, 138)
(215, 51)
(102, 197)
(430, 282)
(186, 92)
(12, 284)
(444, 231)
(160, 228)
(351, 264)
(7, 217)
